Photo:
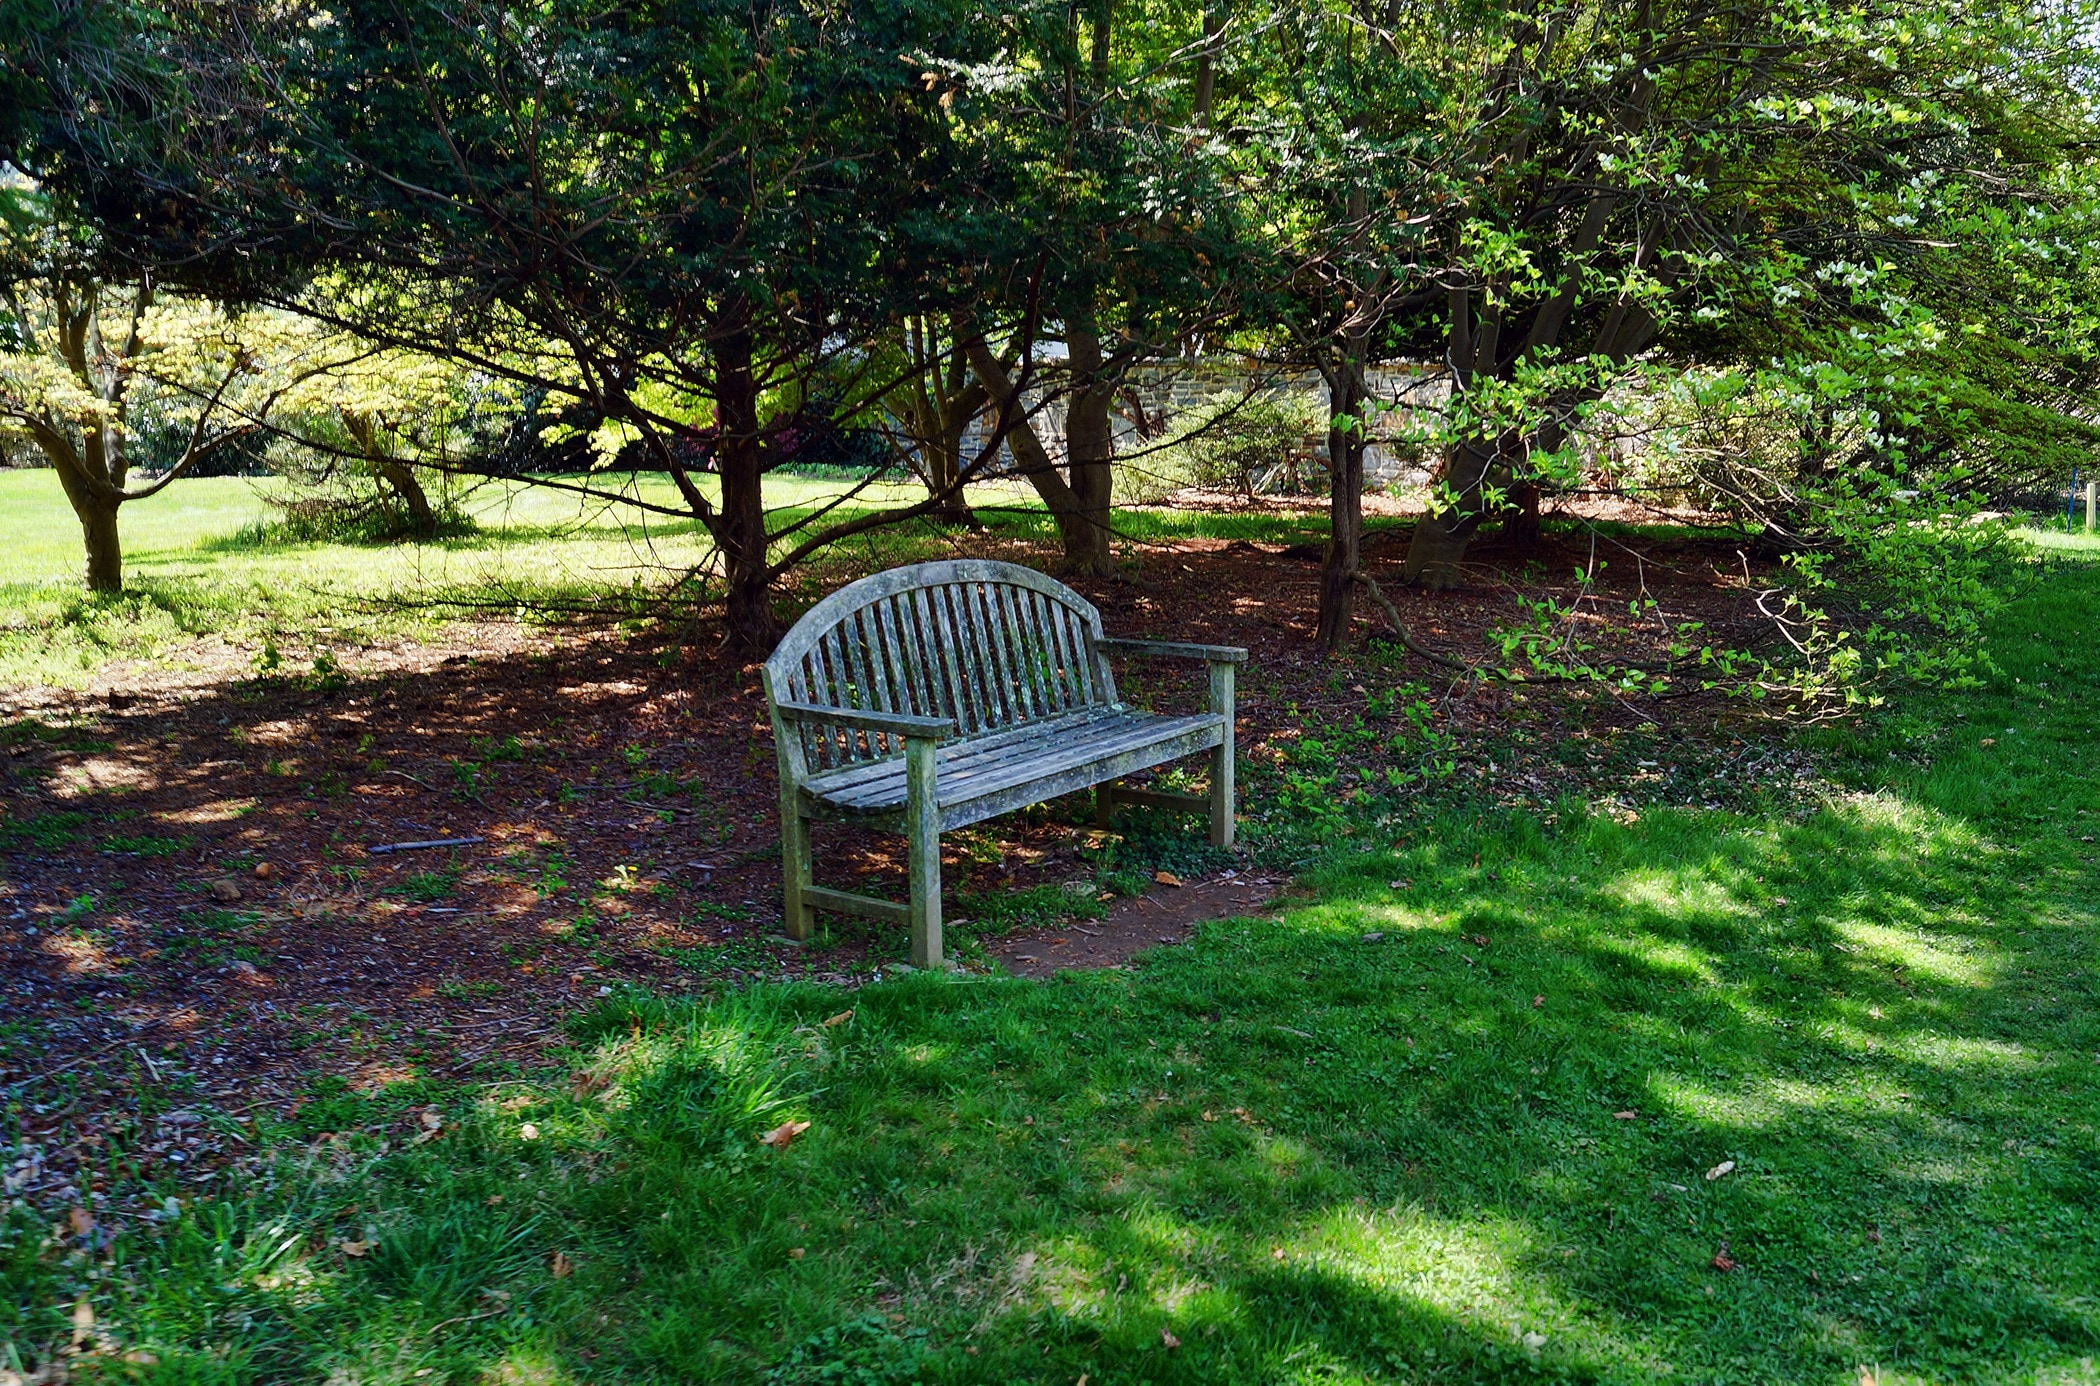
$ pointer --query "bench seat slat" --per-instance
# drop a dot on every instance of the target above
(968, 771)
(1015, 741)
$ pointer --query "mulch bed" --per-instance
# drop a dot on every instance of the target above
(193, 920)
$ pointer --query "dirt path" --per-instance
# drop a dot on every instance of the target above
(1163, 915)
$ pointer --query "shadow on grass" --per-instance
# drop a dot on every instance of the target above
(1703, 1096)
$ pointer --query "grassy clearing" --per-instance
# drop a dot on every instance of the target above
(1486, 1103)
(200, 561)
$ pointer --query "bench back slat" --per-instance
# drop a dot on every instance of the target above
(991, 645)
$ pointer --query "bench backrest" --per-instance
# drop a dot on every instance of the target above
(992, 645)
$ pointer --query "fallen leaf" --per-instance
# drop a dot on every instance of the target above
(1479, 940)
(1628, 1115)
(1166, 878)
(1399, 885)
(1988, 741)
(840, 1019)
(1375, 936)
(1533, 1341)
(83, 1323)
(432, 1121)
(528, 1132)
(796, 1253)
(783, 1135)
(263, 871)
(1537, 1001)
(1169, 1339)
(83, 1222)
(561, 1265)
(1725, 1168)
(225, 892)
(1722, 1260)
(1210, 1116)
(354, 1249)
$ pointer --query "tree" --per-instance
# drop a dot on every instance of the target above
(87, 363)
(690, 217)
(1639, 177)
(1110, 243)
(935, 401)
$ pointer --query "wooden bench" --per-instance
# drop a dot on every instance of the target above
(942, 694)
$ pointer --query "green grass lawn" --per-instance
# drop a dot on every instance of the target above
(199, 561)
(1495, 1124)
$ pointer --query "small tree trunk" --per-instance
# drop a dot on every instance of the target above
(1437, 552)
(105, 550)
(401, 478)
(1090, 450)
(1345, 506)
(740, 530)
(96, 509)
(1085, 542)
(947, 467)
(1520, 525)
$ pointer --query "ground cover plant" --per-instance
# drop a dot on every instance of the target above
(1681, 1068)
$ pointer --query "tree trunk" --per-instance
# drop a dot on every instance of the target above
(1345, 504)
(1438, 549)
(95, 507)
(1090, 454)
(944, 466)
(1520, 524)
(740, 528)
(105, 551)
(1085, 543)
(399, 476)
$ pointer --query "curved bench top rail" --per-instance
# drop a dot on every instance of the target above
(989, 644)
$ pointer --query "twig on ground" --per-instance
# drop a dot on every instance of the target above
(381, 848)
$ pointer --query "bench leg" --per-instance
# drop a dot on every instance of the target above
(922, 827)
(798, 916)
(1105, 804)
(1221, 796)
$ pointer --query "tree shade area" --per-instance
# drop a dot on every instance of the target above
(1640, 919)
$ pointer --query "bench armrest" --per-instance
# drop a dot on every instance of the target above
(1174, 649)
(894, 723)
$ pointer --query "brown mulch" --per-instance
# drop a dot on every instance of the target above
(623, 791)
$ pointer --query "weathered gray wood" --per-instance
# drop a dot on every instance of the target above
(1021, 783)
(922, 829)
(1222, 805)
(896, 723)
(1027, 740)
(1172, 649)
(1159, 798)
(966, 766)
(845, 902)
(934, 696)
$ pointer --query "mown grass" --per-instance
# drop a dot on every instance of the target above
(202, 559)
(1471, 1127)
